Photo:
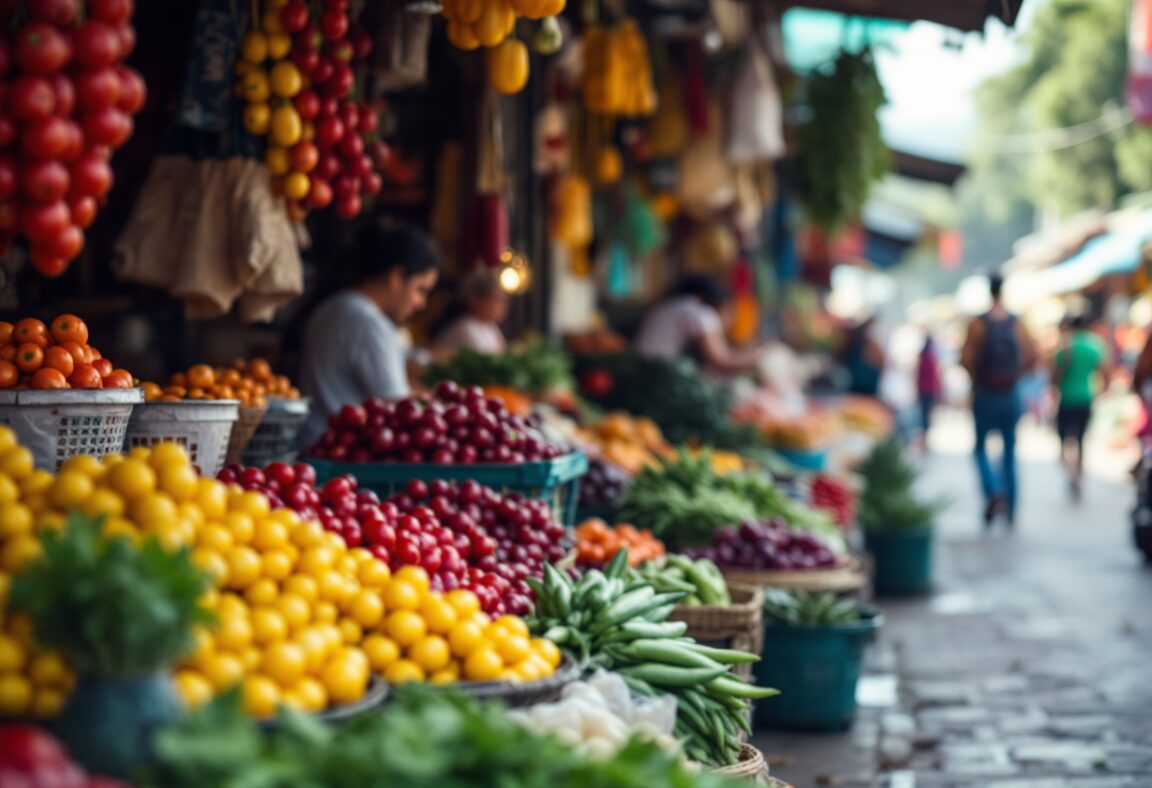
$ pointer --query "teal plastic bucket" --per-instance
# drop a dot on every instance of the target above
(903, 560)
(816, 670)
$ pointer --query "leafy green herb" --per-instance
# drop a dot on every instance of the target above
(535, 367)
(888, 501)
(806, 609)
(111, 608)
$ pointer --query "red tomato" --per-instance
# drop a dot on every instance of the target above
(294, 16)
(329, 131)
(46, 139)
(307, 105)
(345, 184)
(369, 121)
(61, 13)
(7, 177)
(361, 43)
(341, 81)
(351, 146)
(96, 44)
(27, 748)
(329, 106)
(108, 126)
(111, 11)
(372, 183)
(303, 157)
(133, 91)
(85, 376)
(349, 114)
(65, 245)
(348, 206)
(83, 211)
(126, 34)
(9, 216)
(75, 146)
(327, 168)
(31, 98)
(320, 194)
(98, 88)
(305, 59)
(322, 72)
(49, 378)
(44, 181)
(361, 166)
(119, 379)
(42, 220)
(65, 92)
(5, 56)
(7, 131)
(91, 176)
(380, 152)
(46, 264)
(333, 23)
(103, 366)
(342, 51)
(41, 49)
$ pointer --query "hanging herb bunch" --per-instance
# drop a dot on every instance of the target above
(841, 151)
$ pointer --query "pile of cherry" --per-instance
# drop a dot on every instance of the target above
(464, 535)
(456, 426)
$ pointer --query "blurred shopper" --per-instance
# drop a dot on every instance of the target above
(688, 322)
(863, 358)
(997, 351)
(1076, 372)
(472, 320)
(928, 385)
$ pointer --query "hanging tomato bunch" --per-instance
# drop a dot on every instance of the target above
(489, 23)
(297, 75)
(67, 103)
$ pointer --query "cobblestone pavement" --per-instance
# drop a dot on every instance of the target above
(1030, 666)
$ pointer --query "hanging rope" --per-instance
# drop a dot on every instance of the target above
(1112, 119)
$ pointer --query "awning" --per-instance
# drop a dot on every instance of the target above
(922, 168)
(960, 14)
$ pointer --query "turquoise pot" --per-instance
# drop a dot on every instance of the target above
(903, 560)
(816, 670)
(108, 723)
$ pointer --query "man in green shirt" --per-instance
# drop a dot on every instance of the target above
(1077, 371)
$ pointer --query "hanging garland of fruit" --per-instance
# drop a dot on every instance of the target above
(489, 23)
(297, 73)
(70, 102)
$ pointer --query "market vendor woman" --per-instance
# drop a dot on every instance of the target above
(687, 322)
(352, 344)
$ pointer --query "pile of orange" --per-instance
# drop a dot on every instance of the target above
(252, 382)
(597, 543)
(34, 355)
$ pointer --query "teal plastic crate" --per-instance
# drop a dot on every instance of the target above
(556, 481)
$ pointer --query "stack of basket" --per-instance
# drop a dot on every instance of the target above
(56, 424)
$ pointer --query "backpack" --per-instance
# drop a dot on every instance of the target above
(999, 365)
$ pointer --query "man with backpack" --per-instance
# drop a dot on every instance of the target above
(997, 351)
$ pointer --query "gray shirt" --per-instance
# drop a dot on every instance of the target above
(352, 352)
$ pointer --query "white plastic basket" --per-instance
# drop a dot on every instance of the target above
(275, 438)
(202, 427)
(56, 424)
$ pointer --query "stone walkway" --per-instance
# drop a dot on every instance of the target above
(1030, 666)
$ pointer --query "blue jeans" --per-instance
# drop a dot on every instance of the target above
(997, 411)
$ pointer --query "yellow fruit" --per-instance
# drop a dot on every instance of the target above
(403, 670)
(438, 614)
(203, 644)
(449, 675)
(38, 482)
(483, 664)
(270, 22)
(513, 649)
(548, 651)
(47, 702)
(254, 48)
(105, 502)
(314, 645)
(405, 627)
(286, 79)
(71, 490)
(15, 520)
(466, 603)
(48, 670)
(132, 478)
(179, 481)
(279, 45)
(212, 496)
(252, 503)
(303, 586)
(12, 654)
(263, 592)
(167, 454)
(9, 491)
(514, 624)
(296, 611)
(465, 638)
(307, 534)
(325, 612)
(193, 688)
(381, 652)
(223, 671)
(17, 462)
(286, 126)
(431, 653)
(313, 697)
(244, 567)
(366, 609)
(153, 509)
(251, 658)
(415, 575)
(350, 632)
(257, 119)
(285, 662)
(234, 634)
(268, 626)
(51, 521)
(211, 562)
(38, 503)
(345, 680)
(8, 438)
(507, 63)
(215, 537)
(334, 587)
(261, 696)
(373, 573)
(18, 552)
(296, 186)
(277, 564)
(400, 594)
(463, 36)
(316, 561)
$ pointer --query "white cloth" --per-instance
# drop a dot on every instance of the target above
(672, 327)
(352, 352)
(468, 332)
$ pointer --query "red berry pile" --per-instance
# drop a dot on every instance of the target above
(464, 535)
(67, 103)
(833, 495)
(459, 425)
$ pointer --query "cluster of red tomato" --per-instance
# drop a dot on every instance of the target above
(298, 77)
(66, 102)
(55, 356)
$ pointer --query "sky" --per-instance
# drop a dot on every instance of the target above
(930, 85)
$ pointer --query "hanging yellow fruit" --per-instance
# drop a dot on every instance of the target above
(254, 49)
(469, 11)
(495, 23)
(508, 66)
(532, 9)
(257, 118)
(462, 36)
(609, 165)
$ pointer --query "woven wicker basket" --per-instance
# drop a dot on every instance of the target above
(242, 432)
(739, 625)
(528, 693)
(850, 577)
(751, 767)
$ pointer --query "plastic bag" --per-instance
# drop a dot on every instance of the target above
(754, 111)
